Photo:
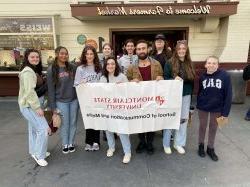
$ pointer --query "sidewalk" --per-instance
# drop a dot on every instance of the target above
(92, 169)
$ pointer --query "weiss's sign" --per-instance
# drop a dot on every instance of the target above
(26, 25)
(131, 107)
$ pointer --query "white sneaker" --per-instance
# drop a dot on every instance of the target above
(47, 154)
(88, 147)
(168, 150)
(95, 147)
(40, 162)
(65, 149)
(72, 148)
(126, 158)
(180, 149)
(110, 152)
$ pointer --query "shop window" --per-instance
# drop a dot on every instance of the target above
(18, 34)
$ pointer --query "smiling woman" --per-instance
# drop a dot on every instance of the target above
(62, 96)
(31, 108)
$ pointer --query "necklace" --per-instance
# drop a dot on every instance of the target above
(143, 64)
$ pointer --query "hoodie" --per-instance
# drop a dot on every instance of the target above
(27, 96)
(215, 92)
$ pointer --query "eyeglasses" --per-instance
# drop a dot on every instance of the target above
(182, 42)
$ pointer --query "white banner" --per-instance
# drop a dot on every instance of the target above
(131, 107)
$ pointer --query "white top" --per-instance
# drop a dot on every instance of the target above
(112, 79)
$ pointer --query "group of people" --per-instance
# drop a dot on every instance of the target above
(137, 64)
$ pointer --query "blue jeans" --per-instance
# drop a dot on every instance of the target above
(38, 133)
(69, 112)
(180, 135)
(124, 140)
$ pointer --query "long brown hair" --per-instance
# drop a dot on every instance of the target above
(97, 64)
(55, 66)
(36, 68)
(188, 66)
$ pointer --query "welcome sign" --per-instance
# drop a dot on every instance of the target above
(129, 108)
(157, 10)
(95, 11)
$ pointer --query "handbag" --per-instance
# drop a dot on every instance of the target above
(54, 121)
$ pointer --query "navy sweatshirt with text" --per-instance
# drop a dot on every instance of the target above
(215, 92)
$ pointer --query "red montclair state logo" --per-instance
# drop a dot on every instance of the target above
(159, 100)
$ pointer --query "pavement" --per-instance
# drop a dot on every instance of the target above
(94, 169)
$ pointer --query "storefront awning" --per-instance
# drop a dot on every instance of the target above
(197, 10)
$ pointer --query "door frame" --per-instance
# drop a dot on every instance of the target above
(112, 30)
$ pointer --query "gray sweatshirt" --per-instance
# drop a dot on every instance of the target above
(63, 91)
(86, 74)
(112, 79)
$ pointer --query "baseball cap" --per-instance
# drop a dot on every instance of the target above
(160, 36)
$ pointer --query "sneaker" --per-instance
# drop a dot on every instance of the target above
(172, 138)
(212, 154)
(201, 151)
(72, 148)
(150, 149)
(88, 147)
(247, 118)
(168, 150)
(40, 162)
(65, 149)
(95, 147)
(126, 158)
(110, 152)
(180, 149)
(141, 147)
(47, 154)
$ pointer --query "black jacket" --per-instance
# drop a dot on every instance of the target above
(246, 73)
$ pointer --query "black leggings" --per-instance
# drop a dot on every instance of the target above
(147, 137)
(92, 136)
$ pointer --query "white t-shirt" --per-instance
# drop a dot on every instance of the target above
(112, 79)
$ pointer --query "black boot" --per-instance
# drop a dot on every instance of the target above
(150, 148)
(201, 151)
(212, 154)
(141, 147)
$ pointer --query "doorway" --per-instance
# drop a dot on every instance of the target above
(119, 36)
